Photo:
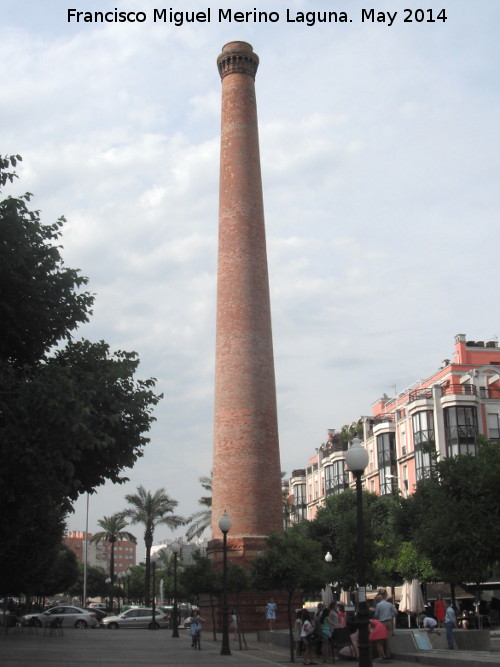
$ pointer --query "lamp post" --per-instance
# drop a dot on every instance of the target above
(225, 526)
(176, 548)
(357, 460)
(122, 576)
(129, 573)
(107, 582)
(118, 588)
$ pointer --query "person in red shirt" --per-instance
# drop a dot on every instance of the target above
(439, 610)
(379, 635)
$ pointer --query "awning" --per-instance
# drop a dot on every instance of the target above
(433, 590)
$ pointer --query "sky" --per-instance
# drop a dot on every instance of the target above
(380, 162)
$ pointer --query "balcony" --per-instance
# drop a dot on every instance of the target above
(458, 390)
(383, 419)
(420, 394)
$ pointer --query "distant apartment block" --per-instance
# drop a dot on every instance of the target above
(99, 553)
(442, 415)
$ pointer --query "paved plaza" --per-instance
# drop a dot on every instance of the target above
(136, 648)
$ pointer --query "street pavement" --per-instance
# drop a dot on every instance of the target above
(135, 648)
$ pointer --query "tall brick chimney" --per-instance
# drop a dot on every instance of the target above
(246, 465)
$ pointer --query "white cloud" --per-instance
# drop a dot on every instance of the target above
(379, 162)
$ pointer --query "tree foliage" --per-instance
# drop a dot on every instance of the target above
(113, 530)
(292, 562)
(150, 510)
(96, 583)
(456, 515)
(72, 414)
(202, 519)
(335, 527)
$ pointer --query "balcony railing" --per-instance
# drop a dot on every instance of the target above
(381, 419)
(460, 389)
(419, 394)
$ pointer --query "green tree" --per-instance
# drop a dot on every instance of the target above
(113, 530)
(456, 515)
(293, 562)
(335, 527)
(72, 415)
(202, 519)
(41, 303)
(150, 510)
(96, 583)
(62, 573)
(412, 564)
(202, 578)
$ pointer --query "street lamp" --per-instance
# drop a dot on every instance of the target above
(176, 548)
(328, 557)
(357, 459)
(122, 576)
(129, 573)
(225, 526)
(107, 582)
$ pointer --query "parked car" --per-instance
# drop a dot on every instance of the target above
(97, 605)
(136, 618)
(75, 617)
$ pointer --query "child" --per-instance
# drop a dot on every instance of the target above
(195, 629)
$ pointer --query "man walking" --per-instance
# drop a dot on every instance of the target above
(450, 622)
(385, 612)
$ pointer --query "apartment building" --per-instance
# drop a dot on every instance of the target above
(443, 414)
(99, 553)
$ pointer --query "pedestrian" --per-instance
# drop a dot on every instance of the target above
(334, 618)
(307, 637)
(316, 621)
(195, 629)
(450, 622)
(385, 612)
(297, 628)
(439, 610)
(430, 624)
(342, 615)
(379, 635)
(233, 626)
(326, 628)
(271, 614)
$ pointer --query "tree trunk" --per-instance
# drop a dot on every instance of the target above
(148, 541)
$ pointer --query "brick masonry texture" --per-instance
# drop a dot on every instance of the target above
(246, 467)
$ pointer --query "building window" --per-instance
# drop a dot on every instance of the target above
(336, 477)
(299, 502)
(461, 430)
(493, 426)
(386, 455)
(424, 443)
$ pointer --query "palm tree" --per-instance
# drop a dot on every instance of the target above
(112, 531)
(201, 520)
(151, 509)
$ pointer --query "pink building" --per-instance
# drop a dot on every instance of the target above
(444, 414)
(99, 553)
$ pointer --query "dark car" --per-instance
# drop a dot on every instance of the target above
(98, 613)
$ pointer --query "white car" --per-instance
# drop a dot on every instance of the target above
(73, 617)
(136, 618)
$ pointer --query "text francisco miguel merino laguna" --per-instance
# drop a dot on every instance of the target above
(311, 18)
